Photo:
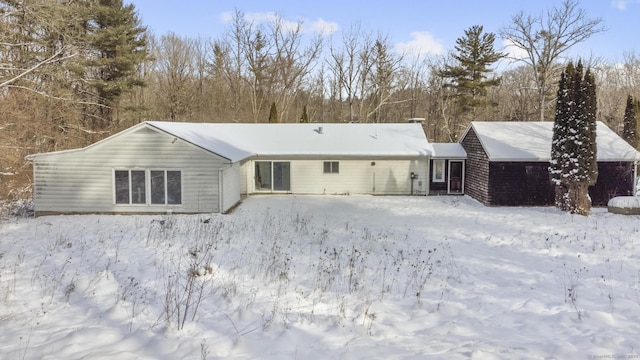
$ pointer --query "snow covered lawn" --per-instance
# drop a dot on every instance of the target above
(316, 277)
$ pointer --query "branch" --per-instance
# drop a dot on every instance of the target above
(57, 97)
(64, 129)
(54, 58)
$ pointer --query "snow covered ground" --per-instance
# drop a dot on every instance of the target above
(317, 277)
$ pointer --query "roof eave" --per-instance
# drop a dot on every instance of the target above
(518, 160)
(198, 146)
(32, 157)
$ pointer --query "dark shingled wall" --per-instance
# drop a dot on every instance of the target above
(528, 184)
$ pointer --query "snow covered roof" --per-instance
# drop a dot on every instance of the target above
(448, 151)
(531, 141)
(240, 141)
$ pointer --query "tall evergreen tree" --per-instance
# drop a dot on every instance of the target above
(304, 118)
(273, 114)
(630, 129)
(573, 167)
(589, 132)
(475, 55)
(560, 131)
(119, 43)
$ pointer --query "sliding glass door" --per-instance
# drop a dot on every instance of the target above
(263, 175)
(273, 176)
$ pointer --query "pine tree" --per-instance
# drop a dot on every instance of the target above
(636, 111)
(120, 44)
(304, 118)
(630, 130)
(475, 54)
(273, 114)
(589, 137)
(573, 166)
(560, 131)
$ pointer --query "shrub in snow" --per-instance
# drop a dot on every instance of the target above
(626, 205)
(190, 279)
(18, 208)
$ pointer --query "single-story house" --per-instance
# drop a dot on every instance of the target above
(158, 167)
(507, 163)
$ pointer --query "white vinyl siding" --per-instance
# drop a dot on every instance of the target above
(385, 177)
(245, 177)
(230, 185)
(82, 180)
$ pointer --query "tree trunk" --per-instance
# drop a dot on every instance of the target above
(579, 201)
(583, 200)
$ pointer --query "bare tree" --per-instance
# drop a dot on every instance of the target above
(222, 87)
(350, 65)
(446, 126)
(257, 49)
(317, 93)
(383, 79)
(414, 74)
(517, 92)
(616, 82)
(230, 62)
(544, 38)
(242, 59)
(293, 62)
(631, 70)
(175, 76)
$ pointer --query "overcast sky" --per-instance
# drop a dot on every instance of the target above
(432, 26)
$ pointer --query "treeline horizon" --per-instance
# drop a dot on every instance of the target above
(77, 72)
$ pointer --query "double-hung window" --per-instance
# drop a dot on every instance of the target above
(157, 187)
(331, 167)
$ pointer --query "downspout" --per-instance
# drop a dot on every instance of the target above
(413, 177)
(635, 179)
(220, 191)
(31, 159)
(374, 182)
(427, 181)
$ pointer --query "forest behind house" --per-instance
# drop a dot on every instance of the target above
(76, 71)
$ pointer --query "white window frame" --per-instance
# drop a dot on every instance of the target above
(271, 189)
(115, 193)
(147, 187)
(166, 184)
(438, 163)
(331, 167)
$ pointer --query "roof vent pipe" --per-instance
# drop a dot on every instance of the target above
(320, 129)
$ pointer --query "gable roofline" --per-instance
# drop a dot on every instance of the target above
(31, 157)
(531, 141)
(193, 133)
(151, 125)
(238, 142)
(134, 128)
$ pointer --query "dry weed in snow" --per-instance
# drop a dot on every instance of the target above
(322, 277)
